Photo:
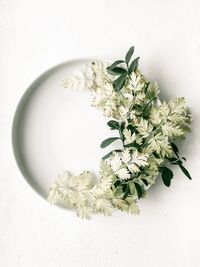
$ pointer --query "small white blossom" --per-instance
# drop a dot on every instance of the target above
(129, 138)
(116, 162)
(160, 145)
(137, 160)
(126, 157)
(144, 127)
(123, 173)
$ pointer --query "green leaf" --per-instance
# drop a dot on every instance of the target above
(116, 71)
(172, 159)
(107, 155)
(167, 175)
(110, 153)
(146, 87)
(108, 141)
(134, 176)
(121, 128)
(150, 101)
(115, 64)
(133, 144)
(119, 70)
(114, 125)
(177, 162)
(132, 188)
(127, 191)
(130, 145)
(185, 171)
(119, 82)
(139, 190)
(156, 155)
(131, 128)
(145, 182)
(175, 149)
(129, 55)
(117, 183)
(134, 65)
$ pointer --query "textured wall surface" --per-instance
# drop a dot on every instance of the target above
(36, 35)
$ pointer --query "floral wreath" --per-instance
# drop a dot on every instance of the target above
(147, 127)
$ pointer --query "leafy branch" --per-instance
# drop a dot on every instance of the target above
(166, 173)
(114, 125)
(123, 69)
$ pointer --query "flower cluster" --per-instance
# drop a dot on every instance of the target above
(147, 128)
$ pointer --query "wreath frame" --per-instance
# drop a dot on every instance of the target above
(147, 127)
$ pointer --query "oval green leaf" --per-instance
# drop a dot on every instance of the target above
(129, 54)
(134, 65)
(108, 141)
(167, 175)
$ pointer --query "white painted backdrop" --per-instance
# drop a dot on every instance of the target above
(36, 35)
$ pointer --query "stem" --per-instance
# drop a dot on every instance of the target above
(121, 135)
(149, 103)
(171, 162)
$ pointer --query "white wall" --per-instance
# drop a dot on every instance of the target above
(36, 35)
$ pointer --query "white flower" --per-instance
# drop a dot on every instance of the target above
(144, 127)
(123, 173)
(129, 138)
(137, 160)
(154, 116)
(160, 145)
(116, 162)
(133, 167)
(104, 206)
(171, 130)
(123, 111)
(177, 105)
(133, 79)
(108, 110)
(129, 96)
(164, 110)
(78, 81)
(58, 188)
(139, 98)
(126, 157)
(84, 212)
(134, 160)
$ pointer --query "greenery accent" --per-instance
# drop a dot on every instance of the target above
(129, 54)
(114, 125)
(124, 70)
(167, 175)
(108, 141)
(185, 171)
